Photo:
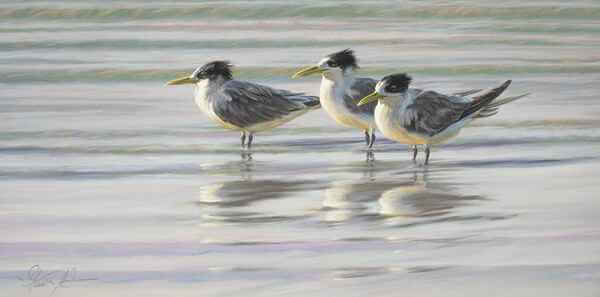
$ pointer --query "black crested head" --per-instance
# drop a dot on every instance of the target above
(214, 69)
(396, 83)
(343, 59)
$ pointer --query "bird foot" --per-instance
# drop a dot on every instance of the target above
(370, 156)
(246, 155)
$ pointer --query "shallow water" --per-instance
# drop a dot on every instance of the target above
(116, 185)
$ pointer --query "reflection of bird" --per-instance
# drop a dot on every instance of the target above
(419, 117)
(244, 192)
(238, 201)
(344, 200)
(243, 106)
(341, 90)
(417, 199)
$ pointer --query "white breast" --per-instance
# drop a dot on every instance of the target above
(202, 91)
(332, 100)
(387, 118)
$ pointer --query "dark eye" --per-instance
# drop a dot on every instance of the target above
(392, 88)
(332, 64)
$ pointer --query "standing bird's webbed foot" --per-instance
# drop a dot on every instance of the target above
(246, 156)
(370, 157)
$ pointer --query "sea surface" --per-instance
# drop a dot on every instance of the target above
(113, 184)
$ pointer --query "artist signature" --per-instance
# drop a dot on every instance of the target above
(37, 277)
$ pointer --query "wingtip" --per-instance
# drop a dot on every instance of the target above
(468, 92)
(503, 87)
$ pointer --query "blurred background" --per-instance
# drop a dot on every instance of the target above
(106, 170)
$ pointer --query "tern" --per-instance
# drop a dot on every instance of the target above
(243, 106)
(420, 117)
(341, 90)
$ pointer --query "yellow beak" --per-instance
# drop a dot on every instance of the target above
(308, 71)
(182, 81)
(370, 98)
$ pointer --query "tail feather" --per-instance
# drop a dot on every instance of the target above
(492, 108)
(484, 99)
(485, 114)
(503, 101)
(487, 110)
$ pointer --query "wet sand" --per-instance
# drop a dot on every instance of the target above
(313, 218)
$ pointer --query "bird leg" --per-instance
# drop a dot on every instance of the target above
(415, 152)
(372, 139)
(243, 139)
(427, 154)
(250, 138)
(367, 137)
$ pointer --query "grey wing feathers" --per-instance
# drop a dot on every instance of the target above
(360, 89)
(432, 112)
(244, 104)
